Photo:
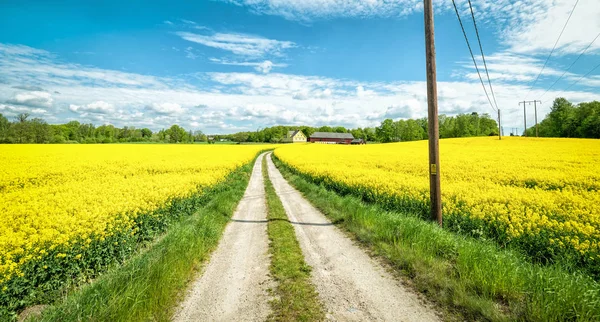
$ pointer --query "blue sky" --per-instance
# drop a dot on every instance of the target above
(225, 66)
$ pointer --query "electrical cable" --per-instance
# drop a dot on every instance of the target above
(482, 55)
(573, 63)
(553, 48)
(472, 57)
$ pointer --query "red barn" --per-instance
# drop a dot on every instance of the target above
(331, 138)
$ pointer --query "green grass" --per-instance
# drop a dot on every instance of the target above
(149, 285)
(469, 278)
(296, 298)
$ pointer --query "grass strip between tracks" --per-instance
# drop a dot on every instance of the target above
(296, 298)
(470, 279)
(150, 284)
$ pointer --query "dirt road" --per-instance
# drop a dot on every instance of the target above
(233, 286)
(352, 285)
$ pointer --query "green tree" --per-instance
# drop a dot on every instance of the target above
(41, 131)
(385, 132)
(240, 137)
(146, 133)
(4, 129)
(199, 136)
(587, 120)
(340, 129)
(176, 133)
(413, 131)
(325, 129)
(21, 128)
(562, 118)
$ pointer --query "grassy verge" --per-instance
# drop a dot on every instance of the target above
(296, 297)
(472, 278)
(148, 286)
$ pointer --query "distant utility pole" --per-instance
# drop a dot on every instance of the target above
(525, 115)
(536, 124)
(499, 127)
(435, 193)
(524, 118)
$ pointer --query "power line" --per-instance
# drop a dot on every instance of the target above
(553, 48)
(561, 76)
(577, 81)
(482, 55)
(473, 57)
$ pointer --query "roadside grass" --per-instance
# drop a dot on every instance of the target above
(150, 284)
(296, 298)
(471, 279)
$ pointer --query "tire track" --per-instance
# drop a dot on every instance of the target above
(352, 285)
(233, 286)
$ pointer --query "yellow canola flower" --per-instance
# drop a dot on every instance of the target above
(52, 196)
(527, 187)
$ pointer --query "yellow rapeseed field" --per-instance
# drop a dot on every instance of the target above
(541, 194)
(52, 196)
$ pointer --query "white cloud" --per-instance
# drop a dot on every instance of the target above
(17, 64)
(22, 50)
(309, 9)
(409, 108)
(189, 22)
(166, 108)
(281, 84)
(240, 44)
(33, 98)
(39, 111)
(361, 92)
(167, 22)
(99, 107)
(264, 67)
(326, 93)
(509, 67)
(525, 26)
(29, 88)
(243, 101)
(189, 53)
(538, 33)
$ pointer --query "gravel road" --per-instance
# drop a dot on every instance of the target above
(233, 286)
(352, 285)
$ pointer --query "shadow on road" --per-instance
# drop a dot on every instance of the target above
(291, 222)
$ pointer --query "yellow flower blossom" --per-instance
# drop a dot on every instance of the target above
(529, 188)
(53, 197)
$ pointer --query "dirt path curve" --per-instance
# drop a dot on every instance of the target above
(352, 285)
(233, 286)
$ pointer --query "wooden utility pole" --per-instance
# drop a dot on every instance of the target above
(435, 193)
(536, 124)
(499, 127)
(524, 118)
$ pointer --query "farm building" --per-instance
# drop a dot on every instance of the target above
(358, 141)
(294, 137)
(331, 138)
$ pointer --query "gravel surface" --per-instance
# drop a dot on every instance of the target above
(352, 285)
(233, 286)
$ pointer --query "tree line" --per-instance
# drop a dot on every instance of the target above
(24, 129)
(462, 125)
(35, 130)
(570, 121)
